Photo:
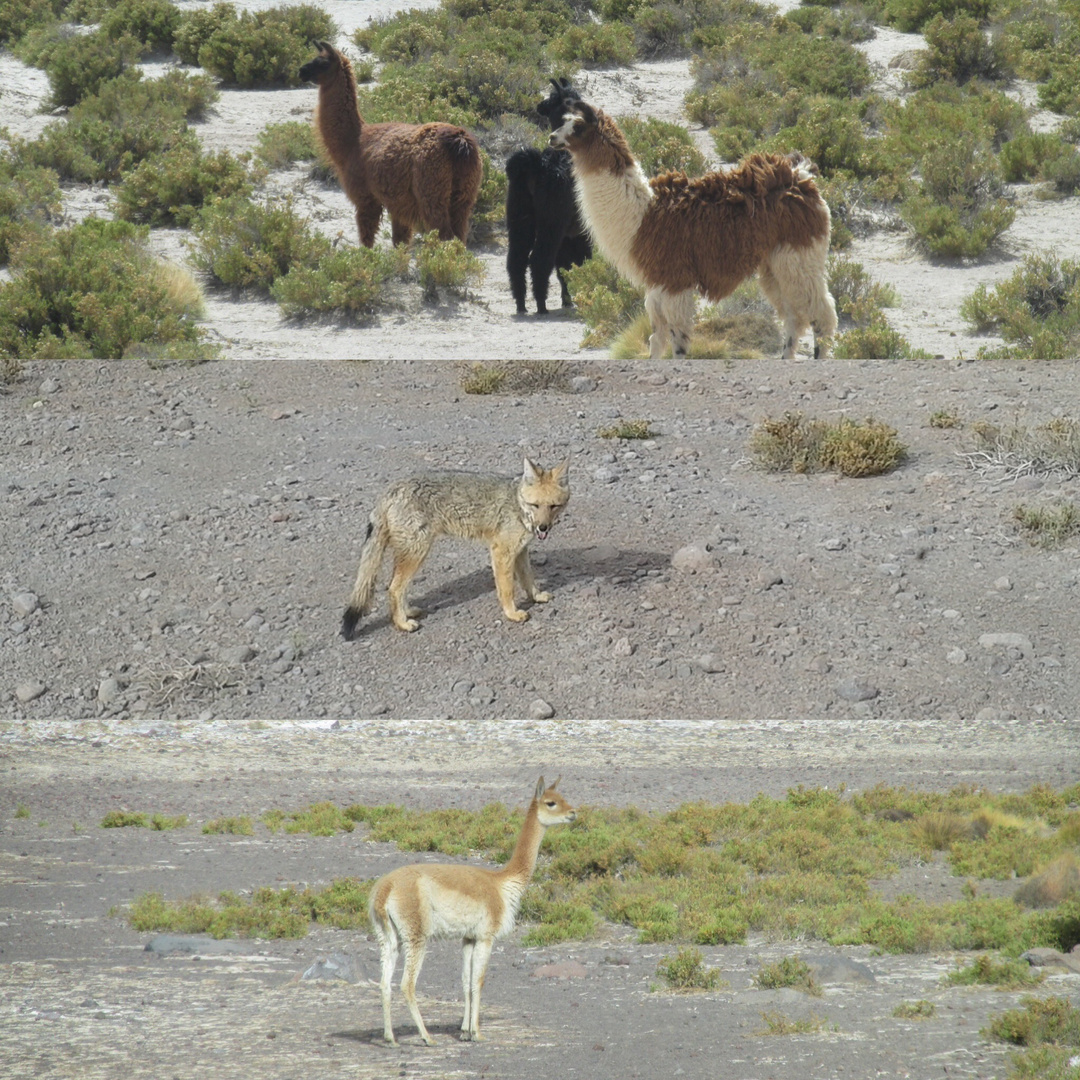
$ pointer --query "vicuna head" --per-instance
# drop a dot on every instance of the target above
(551, 807)
(324, 66)
(553, 108)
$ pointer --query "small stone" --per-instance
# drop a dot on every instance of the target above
(606, 474)
(582, 384)
(710, 663)
(108, 691)
(238, 654)
(693, 558)
(29, 691)
(656, 378)
(857, 689)
(819, 664)
(25, 603)
(1003, 584)
(48, 386)
(541, 710)
(956, 656)
(462, 687)
(1006, 641)
(834, 543)
(622, 647)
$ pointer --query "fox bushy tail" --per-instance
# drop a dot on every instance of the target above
(371, 557)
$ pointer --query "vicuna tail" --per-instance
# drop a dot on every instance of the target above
(371, 557)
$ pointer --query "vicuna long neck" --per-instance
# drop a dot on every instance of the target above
(522, 862)
(339, 118)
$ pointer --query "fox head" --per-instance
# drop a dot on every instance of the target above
(542, 494)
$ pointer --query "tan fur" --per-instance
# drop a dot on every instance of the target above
(427, 176)
(412, 514)
(411, 905)
(673, 234)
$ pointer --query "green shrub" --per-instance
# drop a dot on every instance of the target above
(607, 302)
(686, 972)
(446, 264)
(1048, 526)
(152, 23)
(78, 66)
(95, 290)
(958, 51)
(281, 144)
(247, 245)
(171, 187)
(1052, 1020)
(661, 147)
(264, 48)
(29, 199)
(912, 15)
(797, 444)
(197, 27)
(593, 45)
(348, 281)
(1036, 310)
(792, 973)
(16, 19)
(874, 340)
(125, 122)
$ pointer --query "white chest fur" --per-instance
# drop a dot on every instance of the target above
(613, 206)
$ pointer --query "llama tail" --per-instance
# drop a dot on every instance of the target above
(802, 166)
(371, 557)
(461, 145)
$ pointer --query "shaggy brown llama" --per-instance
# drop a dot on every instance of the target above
(673, 234)
(427, 176)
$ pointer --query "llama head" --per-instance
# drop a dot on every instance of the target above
(554, 106)
(578, 120)
(594, 141)
(324, 66)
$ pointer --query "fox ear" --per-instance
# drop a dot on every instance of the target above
(561, 472)
(532, 472)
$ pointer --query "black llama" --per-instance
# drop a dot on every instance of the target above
(542, 219)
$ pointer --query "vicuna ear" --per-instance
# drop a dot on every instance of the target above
(540, 788)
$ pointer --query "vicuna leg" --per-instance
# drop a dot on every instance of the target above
(389, 943)
(368, 216)
(523, 573)
(414, 960)
(503, 562)
(476, 956)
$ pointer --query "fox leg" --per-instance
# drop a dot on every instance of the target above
(523, 573)
(406, 563)
(503, 566)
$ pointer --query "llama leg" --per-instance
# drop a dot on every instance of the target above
(541, 266)
(389, 943)
(654, 305)
(802, 292)
(481, 953)
(400, 233)
(770, 286)
(520, 230)
(414, 960)
(461, 208)
(368, 216)
(680, 314)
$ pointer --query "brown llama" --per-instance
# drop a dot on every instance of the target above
(672, 234)
(427, 176)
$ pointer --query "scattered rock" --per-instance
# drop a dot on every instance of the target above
(857, 689)
(108, 691)
(541, 710)
(710, 663)
(623, 647)
(831, 970)
(693, 558)
(582, 384)
(238, 654)
(606, 474)
(29, 691)
(334, 966)
(24, 603)
(1006, 641)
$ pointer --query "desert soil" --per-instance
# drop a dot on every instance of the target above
(484, 325)
(179, 543)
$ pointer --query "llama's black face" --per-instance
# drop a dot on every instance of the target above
(555, 105)
(316, 70)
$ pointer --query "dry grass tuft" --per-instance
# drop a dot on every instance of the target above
(1056, 883)
(515, 377)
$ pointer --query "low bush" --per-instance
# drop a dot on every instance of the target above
(607, 302)
(79, 65)
(246, 245)
(795, 443)
(445, 264)
(912, 15)
(95, 290)
(279, 145)
(29, 199)
(17, 19)
(152, 23)
(1050, 525)
(1036, 310)
(129, 119)
(686, 972)
(593, 45)
(349, 282)
(171, 187)
(959, 50)
(660, 146)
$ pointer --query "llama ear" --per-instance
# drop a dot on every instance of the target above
(585, 111)
(556, 84)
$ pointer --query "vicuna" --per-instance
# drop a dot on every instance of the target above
(413, 904)
(543, 223)
(672, 234)
(427, 176)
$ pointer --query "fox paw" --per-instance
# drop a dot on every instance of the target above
(408, 625)
(517, 615)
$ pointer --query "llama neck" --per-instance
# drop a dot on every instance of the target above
(339, 118)
(613, 203)
(521, 864)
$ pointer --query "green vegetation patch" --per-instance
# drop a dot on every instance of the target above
(791, 972)
(796, 443)
(95, 290)
(915, 1010)
(628, 429)
(233, 826)
(515, 377)
(1049, 1030)
(985, 971)
(777, 1023)
(319, 819)
(122, 819)
(1050, 525)
(686, 972)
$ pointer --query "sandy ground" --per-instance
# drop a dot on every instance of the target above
(484, 325)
